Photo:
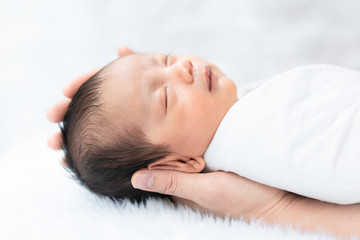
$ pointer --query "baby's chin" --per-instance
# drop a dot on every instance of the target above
(232, 93)
(222, 77)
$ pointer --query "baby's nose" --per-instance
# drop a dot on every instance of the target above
(184, 70)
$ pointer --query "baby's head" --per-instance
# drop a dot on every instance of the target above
(144, 111)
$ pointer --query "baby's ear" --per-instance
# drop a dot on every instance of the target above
(179, 163)
(124, 51)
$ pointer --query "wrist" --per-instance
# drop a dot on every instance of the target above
(313, 215)
(281, 209)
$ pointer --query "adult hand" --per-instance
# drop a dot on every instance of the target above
(221, 193)
(57, 112)
(227, 194)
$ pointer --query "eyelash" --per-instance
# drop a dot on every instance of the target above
(166, 98)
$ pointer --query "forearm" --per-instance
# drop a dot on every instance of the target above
(312, 215)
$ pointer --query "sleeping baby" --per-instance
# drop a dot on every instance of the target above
(296, 131)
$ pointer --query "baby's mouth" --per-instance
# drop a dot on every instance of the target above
(209, 77)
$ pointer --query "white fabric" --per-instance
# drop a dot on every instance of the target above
(298, 131)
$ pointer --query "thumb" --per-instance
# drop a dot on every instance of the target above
(173, 183)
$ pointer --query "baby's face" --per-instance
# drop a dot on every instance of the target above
(176, 99)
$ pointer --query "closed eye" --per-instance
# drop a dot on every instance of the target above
(166, 98)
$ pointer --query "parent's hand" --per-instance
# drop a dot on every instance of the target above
(57, 112)
(221, 193)
(227, 194)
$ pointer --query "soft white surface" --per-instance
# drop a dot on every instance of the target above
(39, 201)
(298, 131)
(44, 44)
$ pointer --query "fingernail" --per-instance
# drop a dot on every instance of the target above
(143, 180)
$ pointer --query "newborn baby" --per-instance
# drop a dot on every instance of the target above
(144, 110)
(162, 112)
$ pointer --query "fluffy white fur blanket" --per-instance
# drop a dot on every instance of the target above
(40, 201)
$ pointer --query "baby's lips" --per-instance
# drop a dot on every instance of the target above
(204, 75)
(209, 77)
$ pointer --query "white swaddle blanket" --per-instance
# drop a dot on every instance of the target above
(298, 131)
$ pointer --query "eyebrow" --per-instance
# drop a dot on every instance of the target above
(154, 84)
(157, 59)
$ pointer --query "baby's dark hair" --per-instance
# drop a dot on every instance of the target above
(103, 158)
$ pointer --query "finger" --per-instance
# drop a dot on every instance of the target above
(63, 163)
(70, 90)
(57, 112)
(55, 141)
(124, 51)
(173, 183)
